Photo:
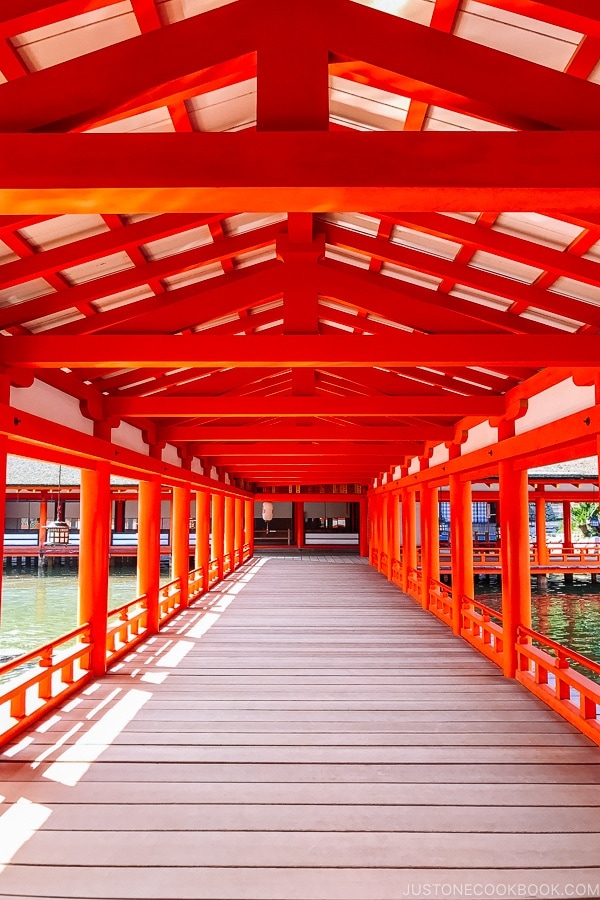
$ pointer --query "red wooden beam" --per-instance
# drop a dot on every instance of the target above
(178, 351)
(303, 171)
(286, 406)
(298, 450)
(296, 432)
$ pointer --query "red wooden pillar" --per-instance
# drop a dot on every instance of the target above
(94, 543)
(249, 525)
(568, 537)
(461, 545)
(218, 531)
(430, 540)
(541, 543)
(239, 531)
(299, 507)
(384, 546)
(229, 530)
(409, 535)
(148, 568)
(363, 530)
(3, 454)
(43, 519)
(514, 551)
(203, 534)
(394, 532)
(119, 515)
(180, 540)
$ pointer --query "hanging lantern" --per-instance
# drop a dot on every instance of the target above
(57, 531)
(267, 513)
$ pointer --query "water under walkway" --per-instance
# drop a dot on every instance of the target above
(305, 731)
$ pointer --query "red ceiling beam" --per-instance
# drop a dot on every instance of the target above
(283, 449)
(459, 273)
(506, 245)
(288, 351)
(295, 432)
(577, 15)
(286, 406)
(342, 171)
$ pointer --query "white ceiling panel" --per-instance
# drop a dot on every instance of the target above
(590, 293)
(419, 11)
(365, 106)
(98, 268)
(178, 243)
(410, 275)
(480, 297)
(518, 35)
(509, 268)
(61, 230)
(193, 276)
(253, 257)
(62, 318)
(539, 228)
(357, 222)
(246, 222)
(69, 38)
(175, 10)
(347, 256)
(6, 254)
(29, 290)
(546, 318)
(441, 119)
(123, 298)
(229, 108)
(427, 243)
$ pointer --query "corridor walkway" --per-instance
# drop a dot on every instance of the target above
(305, 731)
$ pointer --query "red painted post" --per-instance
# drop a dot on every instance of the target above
(568, 537)
(540, 532)
(363, 530)
(94, 542)
(249, 525)
(299, 508)
(203, 534)
(239, 531)
(514, 551)
(148, 568)
(384, 526)
(43, 520)
(180, 540)
(430, 540)
(218, 531)
(230, 530)
(3, 447)
(393, 532)
(461, 545)
(409, 535)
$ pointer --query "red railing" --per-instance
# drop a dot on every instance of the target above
(383, 562)
(441, 602)
(246, 552)
(213, 572)
(195, 584)
(482, 627)
(414, 583)
(126, 625)
(227, 564)
(375, 557)
(52, 673)
(169, 599)
(544, 666)
(397, 571)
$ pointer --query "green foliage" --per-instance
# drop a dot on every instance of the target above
(581, 516)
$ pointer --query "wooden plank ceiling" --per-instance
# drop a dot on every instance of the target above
(179, 244)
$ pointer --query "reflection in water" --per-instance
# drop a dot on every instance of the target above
(566, 613)
(36, 608)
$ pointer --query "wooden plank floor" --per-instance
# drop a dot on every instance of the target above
(311, 734)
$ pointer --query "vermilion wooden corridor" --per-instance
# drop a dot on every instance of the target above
(305, 731)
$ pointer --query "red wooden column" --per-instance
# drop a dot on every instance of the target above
(363, 529)
(568, 537)
(43, 519)
(239, 531)
(409, 535)
(394, 532)
(3, 446)
(540, 531)
(148, 567)
(229, 530)
(94, 543)
(461, 545)
(299, 508)
(384, 544)
(249, 525)
(218, 531)
(119, 515)
(203, 534)
(430, 540)
(180, 540)
(514, 551)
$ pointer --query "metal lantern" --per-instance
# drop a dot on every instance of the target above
(267, 513)
(57, 533)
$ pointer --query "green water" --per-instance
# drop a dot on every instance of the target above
(40, 605)
(566, 613)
